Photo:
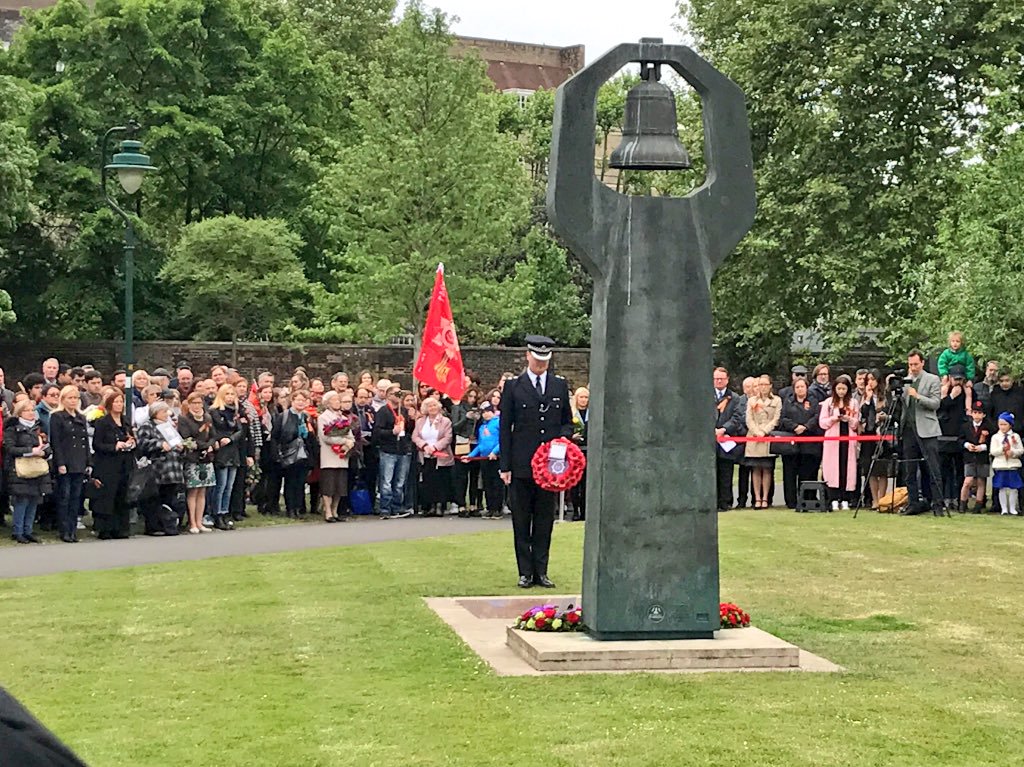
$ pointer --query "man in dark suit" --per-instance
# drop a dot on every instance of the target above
(534, 409)
(731, 420)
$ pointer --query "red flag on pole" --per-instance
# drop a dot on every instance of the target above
(440, 360)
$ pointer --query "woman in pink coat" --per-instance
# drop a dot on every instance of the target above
(839, 416)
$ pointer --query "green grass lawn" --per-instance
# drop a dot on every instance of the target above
(330, 657)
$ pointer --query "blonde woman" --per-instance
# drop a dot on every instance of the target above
(763, 411)
(69, 438)
(231, 452)
(433, 439)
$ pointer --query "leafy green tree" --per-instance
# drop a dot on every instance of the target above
(431, 180)
(17, 166)
(974, 281)
(856, 110)
(542, 291)
(237, 278)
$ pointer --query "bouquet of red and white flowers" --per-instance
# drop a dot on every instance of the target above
(733, 616)
(338, 435)
(548, 618)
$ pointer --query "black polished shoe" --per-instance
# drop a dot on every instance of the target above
(525, 581)
(544, 582)
(23, 539)
(220, 523)
(31, 538)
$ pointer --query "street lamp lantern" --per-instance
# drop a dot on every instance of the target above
(131, 165)
(650, 136)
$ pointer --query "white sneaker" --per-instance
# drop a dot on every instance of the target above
(835, 505)
(1013, 512)
(1003, 513)
(845, 505)
(453, 508)
(81, 525)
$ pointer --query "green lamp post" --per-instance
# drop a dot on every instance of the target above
(131, 166)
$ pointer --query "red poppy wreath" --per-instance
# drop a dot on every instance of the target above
(557, 476)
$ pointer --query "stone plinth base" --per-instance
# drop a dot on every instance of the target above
(732, 650)
(484, 623)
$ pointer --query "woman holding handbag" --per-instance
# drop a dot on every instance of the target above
(293, 435)
(114, 445)
(169, 477)
(27, 469)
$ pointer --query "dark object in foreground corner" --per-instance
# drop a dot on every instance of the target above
(25, 742)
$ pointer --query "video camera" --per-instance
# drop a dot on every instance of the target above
(897, 380)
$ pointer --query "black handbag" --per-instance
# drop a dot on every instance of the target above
(291, 453)
(782, 448)
(143, 485)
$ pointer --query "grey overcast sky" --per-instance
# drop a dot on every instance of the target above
(597, 24)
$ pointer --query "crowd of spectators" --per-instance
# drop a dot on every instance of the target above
(186, 452)
(946, 436)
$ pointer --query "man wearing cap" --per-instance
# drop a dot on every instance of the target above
(534, 409)
(796, 373)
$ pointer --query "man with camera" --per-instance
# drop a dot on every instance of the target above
(922, 393)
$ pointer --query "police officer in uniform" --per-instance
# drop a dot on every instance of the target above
(534, 409)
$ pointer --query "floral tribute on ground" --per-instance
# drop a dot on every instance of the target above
(733, 616)
(561, 474)
(548, 618)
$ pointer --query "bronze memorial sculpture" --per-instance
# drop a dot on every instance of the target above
(650, 565)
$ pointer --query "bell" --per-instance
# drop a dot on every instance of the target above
(650, 138)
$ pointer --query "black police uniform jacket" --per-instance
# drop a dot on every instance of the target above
(527, 419)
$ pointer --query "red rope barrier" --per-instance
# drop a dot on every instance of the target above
(794, 438)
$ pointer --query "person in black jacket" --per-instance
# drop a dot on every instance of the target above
(1007, 397)
(952, 413)
(69, 437)
(535, 408)
(293, 437)
(24, 438)
(114, 443)
(800, 417)
(392, 436)
(231, 452)
(25, 742)
(975, 436)
(730, 420)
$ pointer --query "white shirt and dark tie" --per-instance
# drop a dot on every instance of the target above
(539, 382)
